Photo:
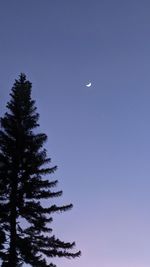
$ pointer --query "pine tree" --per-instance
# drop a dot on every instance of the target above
(25, 232)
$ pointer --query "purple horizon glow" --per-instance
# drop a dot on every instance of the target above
(99, 136)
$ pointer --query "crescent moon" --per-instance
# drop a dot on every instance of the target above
(88, 85)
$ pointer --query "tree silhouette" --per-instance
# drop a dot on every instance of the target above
(25, 233)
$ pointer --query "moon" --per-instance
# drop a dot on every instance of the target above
(89, 84)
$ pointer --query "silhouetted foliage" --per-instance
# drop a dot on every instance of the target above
(25, 233)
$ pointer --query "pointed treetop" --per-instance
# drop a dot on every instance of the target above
(21, 84)
(22, 77)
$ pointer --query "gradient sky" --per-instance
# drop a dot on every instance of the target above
(99, 136)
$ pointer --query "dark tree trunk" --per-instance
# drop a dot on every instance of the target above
(13, 234)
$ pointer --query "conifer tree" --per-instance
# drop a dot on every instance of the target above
(25, 232)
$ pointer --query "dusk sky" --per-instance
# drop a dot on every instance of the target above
(98, 136)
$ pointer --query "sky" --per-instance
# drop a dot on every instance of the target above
(98, 136)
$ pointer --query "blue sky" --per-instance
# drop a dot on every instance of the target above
(99, 136)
